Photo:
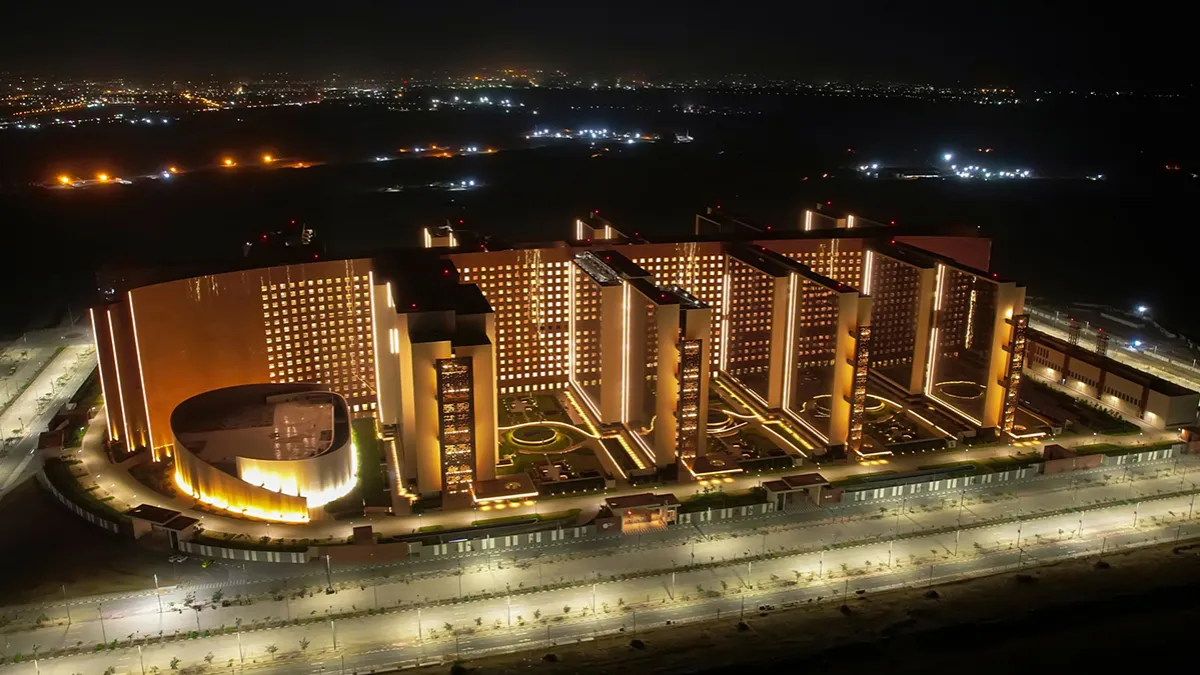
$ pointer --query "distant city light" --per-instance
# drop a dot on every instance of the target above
(102, 177)
(948, 156)
(228, 161)
(65, 180)
(1137, 343)
(267, 159)
(1142, 309)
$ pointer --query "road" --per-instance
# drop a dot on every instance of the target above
(886, 534)
(841, 557)
(29, 413)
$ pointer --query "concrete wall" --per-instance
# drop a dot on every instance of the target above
(243, 553)
(205, 482)
(90, 517)
(857, 493)
(733, 512)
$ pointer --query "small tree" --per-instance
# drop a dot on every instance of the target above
(566, 609)
(208, 658)
(189, 599)
(111, 670)
(174, 663)
(271, 649)
(303, 644)
(217, 595)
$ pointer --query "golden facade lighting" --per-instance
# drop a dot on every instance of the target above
(374, 342)
(112, 434)
(724, 360)
(120, 389)
(142, 380)
(807, 220)
(868, 267)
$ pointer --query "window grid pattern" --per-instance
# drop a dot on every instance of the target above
(319, 330)
(530, 302)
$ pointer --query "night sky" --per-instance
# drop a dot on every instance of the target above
(970, 42)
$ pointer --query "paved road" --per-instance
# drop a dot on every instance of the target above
(987, 520)
(526, 620)
(32, 410)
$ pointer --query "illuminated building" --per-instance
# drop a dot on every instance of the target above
(951, 332)
(796, 341)
(437, 374)
(797, 323)
(270, 451)
(639, 357)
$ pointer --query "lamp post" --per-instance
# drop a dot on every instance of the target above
(100, 611)
(156, 594)
(68, 606)
(333, 633)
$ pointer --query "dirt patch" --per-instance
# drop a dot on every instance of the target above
(47, 546)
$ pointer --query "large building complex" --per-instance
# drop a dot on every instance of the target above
(846, 342)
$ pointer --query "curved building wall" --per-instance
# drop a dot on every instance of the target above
(271, 489)
(319, 480)
(216, 488)
(292, 323)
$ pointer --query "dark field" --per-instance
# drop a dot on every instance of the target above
(1124, 240)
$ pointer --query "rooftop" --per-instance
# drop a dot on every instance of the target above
(276, 422)
(1153, 382)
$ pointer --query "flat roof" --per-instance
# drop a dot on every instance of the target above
(181, 522)
(1108, 364)
(154, 514)
(795, 482)
(952, 263)
(641, 501)
(779, 265)
(620, 264)
(905, 254)
(720, 218)
(262, 421)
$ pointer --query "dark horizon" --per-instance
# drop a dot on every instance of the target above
(941, 43)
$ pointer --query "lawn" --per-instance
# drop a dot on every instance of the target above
(721, 499)
(372, 472)
(1113, 449)
(532, 517)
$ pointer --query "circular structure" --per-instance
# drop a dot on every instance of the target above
(963, 390)
(718, 418)
(821, 405)
(268, 451)
(534, 436)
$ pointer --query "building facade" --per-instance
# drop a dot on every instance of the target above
(426, 341)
